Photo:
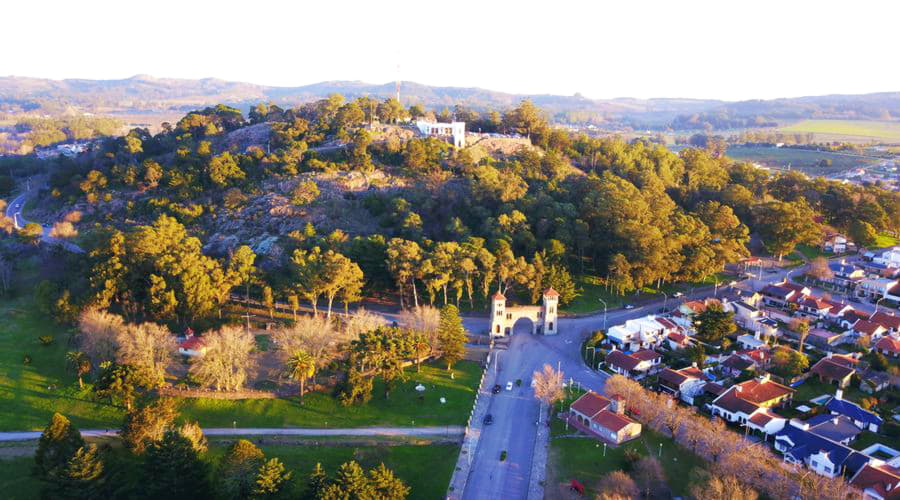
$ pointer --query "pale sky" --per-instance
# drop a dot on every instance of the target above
(723, 49)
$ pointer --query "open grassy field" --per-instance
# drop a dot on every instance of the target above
(802, 159)
(593, 290)
(425, 468)
(870, 130)
(582, 458)
(886, 240)
(30, 393)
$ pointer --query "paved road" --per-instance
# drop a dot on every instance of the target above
(445, 430)
(14, 211)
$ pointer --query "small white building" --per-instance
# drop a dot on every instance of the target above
(890, 257)
(454, 130)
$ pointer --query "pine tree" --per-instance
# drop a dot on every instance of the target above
(271, 480)
(59, 442)
(452, 335)
(387, 485)
(173, 469)
(317, 482)
(80, 478)
(351, 481)
(238, 469)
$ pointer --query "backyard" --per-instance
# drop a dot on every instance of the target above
(581, 458)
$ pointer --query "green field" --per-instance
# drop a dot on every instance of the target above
(425, 468)
(581, 458)
(30, 393)
(872, 130)
(593, 290)
(801, 159)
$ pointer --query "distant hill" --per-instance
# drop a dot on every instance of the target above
(143, 94)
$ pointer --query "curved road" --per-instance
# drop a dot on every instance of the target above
(14, 211)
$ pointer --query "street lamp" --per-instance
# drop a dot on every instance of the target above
(660, 449)
(665, 299)
(604, 312)
(877, 302)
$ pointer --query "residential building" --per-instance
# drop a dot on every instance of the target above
(863, 419)
(191, 345)
(837, 243)
(745, 399)
(888, 320)
(750, 341)
(872, 381)
(876, 288)
(641, 333)
(734, 365)
(455, 131)
(813, 307)
(865, 328)
(844, 274)
(890, 257)
(822, 455)
(685, 383)
(604, 418)
(877, 481)
(838, 428)
(889, 346)
(636, 365)
(837, 370)
(677, 341)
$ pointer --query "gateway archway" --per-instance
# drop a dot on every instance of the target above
(543, 317)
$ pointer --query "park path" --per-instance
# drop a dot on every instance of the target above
(440, 430)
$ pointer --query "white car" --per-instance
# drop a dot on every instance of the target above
(677, 295)
(509, 386)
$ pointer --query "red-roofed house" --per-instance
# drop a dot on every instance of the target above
(677, 340)
(603, 418)
(191, 345)
(837, 370)
(866, 328)
(878, 481)
(685, 383)
(636, 365)
(742, 401)
(815, 307)
(889, 346)
(889, 321)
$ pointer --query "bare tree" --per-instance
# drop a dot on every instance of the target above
(651, 478)
(548, 386)
(424, 320)
(618, 484)
(63, 230)
(723, 488)
(150, 349)
(317, 336)
(99, 334)
(361, 321)
(227, 362)
(819, 269)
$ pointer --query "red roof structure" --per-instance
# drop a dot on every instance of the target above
(889, 344)
(550, 292)
(590, 404)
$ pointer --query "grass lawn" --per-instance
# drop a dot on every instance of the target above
(866, 439)
(29, 394)
(593, 290)
(876, 130)
(426, 469)
(811, 252)
(813, 388)
(582, 458)
(886, 240)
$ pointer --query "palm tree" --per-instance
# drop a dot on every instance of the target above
(301, 366)
(80, 364)
(419, 346)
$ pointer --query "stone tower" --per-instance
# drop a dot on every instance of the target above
(498, 313)
(549, 312)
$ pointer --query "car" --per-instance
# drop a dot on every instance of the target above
(509, 386)
(677, 295)
(629, 306)
(496, 389)
(488, 419)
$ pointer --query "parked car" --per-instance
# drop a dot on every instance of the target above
(678, 295)
(629, 306)
(496, 389)
(488, 419)
(509, 386)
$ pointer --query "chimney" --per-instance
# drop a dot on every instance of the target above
(828, 354)
(839, 394)
(617, 405)
(835, 420)
(738, 388)
(694, 364)
(762, 379)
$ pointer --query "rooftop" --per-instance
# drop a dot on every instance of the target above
(590, 404)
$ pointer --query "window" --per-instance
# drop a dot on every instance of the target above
(815, 464)
(827, 470)
(498, 329)
(551, 325)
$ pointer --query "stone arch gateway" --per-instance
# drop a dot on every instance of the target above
(544, 318)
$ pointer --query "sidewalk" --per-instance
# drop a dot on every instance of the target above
(539, 458)
(472, 435)
(446, 430)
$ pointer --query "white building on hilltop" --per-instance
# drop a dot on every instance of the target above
(455, 130)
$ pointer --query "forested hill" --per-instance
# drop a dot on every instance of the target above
(148, 94)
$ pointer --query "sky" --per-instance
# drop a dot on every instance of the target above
(730, 50)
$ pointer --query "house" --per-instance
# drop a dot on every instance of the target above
(685, 383)
(844, 274)
(191, 345)
(813, 307)
(837, 243)
(750, 341)
(760, 356)
(677, 341)
(745, 399)
(836, 428)
(455, 131)
(734, 365)
(636, 365)
(876, 288)
(834, 370)
(874, 270)
(863, 419)
(822, 455)
(778, 295)
(889, 258)
(824, 338)
(641, 333)
(877, 481)
(873, 381)
(887, 320)
(605, 418)
(838, 311)
(889, 346)
(865, 328)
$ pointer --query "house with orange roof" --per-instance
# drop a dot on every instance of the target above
(636, 365)
(877, 481)
(604, 418)
(746, 399)
(835, 369)
(686, 383)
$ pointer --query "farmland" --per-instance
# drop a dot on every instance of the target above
(848, 130)
(801, 159)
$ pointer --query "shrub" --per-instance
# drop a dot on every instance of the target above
(26, 360)
(503, 456)
(45, 339)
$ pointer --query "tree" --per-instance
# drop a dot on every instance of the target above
(193, 433)
(783, 225)
(31, 233)
(317, 337)
(452, 336)
(99, 332)
(228, 362)
(819, 269)
(619, 485)
(269, 301)
(386, 484)
(716, 487)
(58, 443)
(80, 364)
(304, 193)
(271, 480)
(651, 478)
(223, 168)
(149, 349)
(147, 423)
(240, 268)
(301, 367)
(714, 324)
(862, 233)
(801, 328)
(788, 362)
(81, 477)
(173, 469)
(239, 468)
(63, 230)
(316, 482)
(349, 482)
(117, 380)
(548, 386)
(403, 260)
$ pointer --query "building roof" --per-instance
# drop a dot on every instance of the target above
(550, 292)
(758, 356)
(889, 344)
(192, 343)
(836, 428)
(815, 303)
(886, 320)
(678, 377)
(794, 286)
(852, 410)
(612, 421)
(827, 368)
(678, 338)
(738, 363)
(733, 403)
(622, 360)
(839, 268)
(647, 355)
(666, 323)
(778, 291)
(762, 418)
(806, 443)
(714, 388)
(882, 478)
(590, 404)
(498, 296)
(867, 327)
(838, 309)
(751, 394)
